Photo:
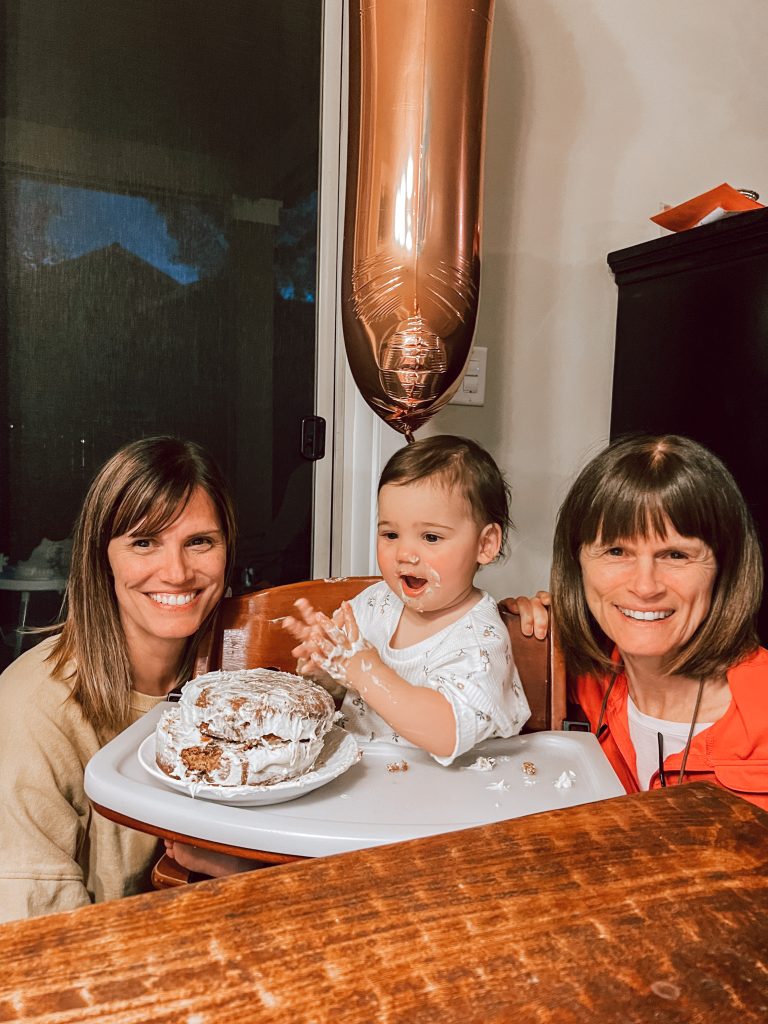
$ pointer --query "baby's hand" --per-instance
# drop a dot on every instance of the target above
(306, 630)
(337, 642)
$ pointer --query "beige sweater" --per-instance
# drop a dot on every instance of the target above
(56, 852)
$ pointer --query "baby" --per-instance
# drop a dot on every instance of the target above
(424, 655)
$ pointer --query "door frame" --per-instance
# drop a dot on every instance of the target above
(329, 239)
(358, 441)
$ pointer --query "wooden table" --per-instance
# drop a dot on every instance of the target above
(647, 908)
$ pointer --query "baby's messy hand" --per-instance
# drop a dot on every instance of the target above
(300, 627)
(305, 629)
(337, 643)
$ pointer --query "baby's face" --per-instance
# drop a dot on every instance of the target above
(429, 544)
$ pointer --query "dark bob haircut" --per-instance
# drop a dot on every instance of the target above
(633, 489)
(460, 463)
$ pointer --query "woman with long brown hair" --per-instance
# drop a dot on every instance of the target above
(152, 550)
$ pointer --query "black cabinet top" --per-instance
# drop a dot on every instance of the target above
(737, 237)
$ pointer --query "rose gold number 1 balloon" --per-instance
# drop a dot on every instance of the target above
(411, 265)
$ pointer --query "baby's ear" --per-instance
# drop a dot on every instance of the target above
(489, 544)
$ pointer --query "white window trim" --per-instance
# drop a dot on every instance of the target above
(358, 441)
(329, 239)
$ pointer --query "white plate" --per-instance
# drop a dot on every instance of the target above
(340, 752)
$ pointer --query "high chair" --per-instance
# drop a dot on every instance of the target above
(248, 633)
(542, 672)
(248, 630)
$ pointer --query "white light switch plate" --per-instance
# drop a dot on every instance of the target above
(471, 390)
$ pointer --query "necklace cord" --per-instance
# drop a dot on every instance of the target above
(606, 695)
(681, 773)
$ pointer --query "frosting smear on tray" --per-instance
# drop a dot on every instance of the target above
(253, 727)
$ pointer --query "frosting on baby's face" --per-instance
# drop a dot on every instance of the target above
(415, 591)
(430, 544)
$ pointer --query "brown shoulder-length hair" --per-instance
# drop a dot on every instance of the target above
(460, 463)
(634, 488)
(148, 482)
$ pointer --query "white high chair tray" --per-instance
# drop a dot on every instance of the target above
(369, 804)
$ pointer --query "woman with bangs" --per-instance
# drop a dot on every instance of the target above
(152, 550)
(656, 582)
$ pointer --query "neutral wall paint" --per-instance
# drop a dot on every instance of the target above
(599, 112)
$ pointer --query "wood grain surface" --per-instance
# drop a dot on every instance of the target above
(646, 908)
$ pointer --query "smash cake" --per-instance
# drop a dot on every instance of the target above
(254, 727)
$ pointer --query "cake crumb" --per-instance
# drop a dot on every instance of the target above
(397, 766)
(529, 768)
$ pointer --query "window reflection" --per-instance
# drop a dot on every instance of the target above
(53, 223)
(158, 221)
(295, 251)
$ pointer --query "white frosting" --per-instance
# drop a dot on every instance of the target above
(253, 727)
(565, 780)
(335, 659)
(432, 576)
(482, 764)
(246, 705)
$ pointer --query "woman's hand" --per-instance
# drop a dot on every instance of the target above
(206, 862)
(533, 612)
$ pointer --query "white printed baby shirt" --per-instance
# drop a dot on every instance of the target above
(469, 662)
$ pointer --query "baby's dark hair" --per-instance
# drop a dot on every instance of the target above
(458, 462)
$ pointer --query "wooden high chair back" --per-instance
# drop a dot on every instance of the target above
(248, 633)
(248, 630)
(542, 672)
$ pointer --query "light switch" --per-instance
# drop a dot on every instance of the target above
(471, 391)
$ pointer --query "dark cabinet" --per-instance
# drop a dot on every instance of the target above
(692, 347)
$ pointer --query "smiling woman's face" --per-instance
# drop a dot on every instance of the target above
(166, 583)
(649, 595)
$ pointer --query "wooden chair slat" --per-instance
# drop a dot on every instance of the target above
(248, 633)
(542, 673)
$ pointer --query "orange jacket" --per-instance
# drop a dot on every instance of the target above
(732, 753)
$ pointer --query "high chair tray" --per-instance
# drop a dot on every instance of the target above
(392, 794)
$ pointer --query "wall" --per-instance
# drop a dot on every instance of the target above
(599, 112)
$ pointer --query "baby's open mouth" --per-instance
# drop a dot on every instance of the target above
(413, 584)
